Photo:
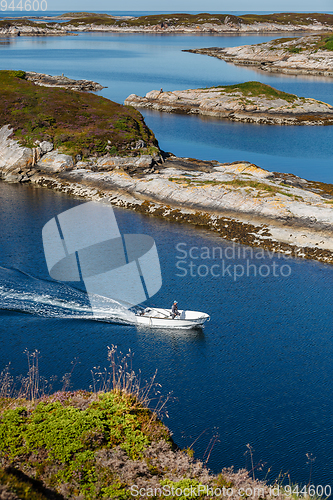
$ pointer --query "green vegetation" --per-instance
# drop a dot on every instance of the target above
(312, 43)
(96, 445)
(328, 43)
(260, 186)
(61, 437)
(76, 122)
(256, 89)
(182, 485)
(295, 50)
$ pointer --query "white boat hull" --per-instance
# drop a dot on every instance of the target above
(161, 318)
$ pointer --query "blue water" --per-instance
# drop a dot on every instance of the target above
(261, 371)
(138, 63)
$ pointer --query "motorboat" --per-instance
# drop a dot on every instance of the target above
(163, 318)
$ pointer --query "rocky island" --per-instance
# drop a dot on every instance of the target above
(87, 146)
(74, 22)
(307, 55)
(62, 81)
(26, 27)
(200, 23)
(246, 102)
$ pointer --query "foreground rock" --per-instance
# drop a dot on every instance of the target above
(308, 55)
(239, 201)
(62, 81)
(246, 102)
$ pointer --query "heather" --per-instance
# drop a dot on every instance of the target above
(76, 123)
(68, 440)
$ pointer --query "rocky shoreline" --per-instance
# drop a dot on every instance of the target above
(73, 23)
(62, 81)
(250, 102)
(23, 27)
(306, 55)
(240, 201)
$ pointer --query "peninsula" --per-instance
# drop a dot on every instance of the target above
(87, 146)
(62, 81)
(74, 22)
(308, 55)
(246, 102)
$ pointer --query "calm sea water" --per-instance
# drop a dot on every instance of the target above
(260, 372)
(138, 63)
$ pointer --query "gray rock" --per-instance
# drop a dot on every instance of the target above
(237, 106)
(117, 162)
(12, 155)
(140, 144)
(55, 162)
(62, 81)
(46, 147)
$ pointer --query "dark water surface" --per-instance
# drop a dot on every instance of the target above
(259, 373)
(261, 370)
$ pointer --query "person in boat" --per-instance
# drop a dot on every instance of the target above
(174, 310)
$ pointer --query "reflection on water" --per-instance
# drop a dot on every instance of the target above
(7, 41)
(172, 334)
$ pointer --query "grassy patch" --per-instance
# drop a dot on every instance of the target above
(76, 122)
(259, 186)
(295, 50)
(313, 44)
(257, 89)
(328, 43)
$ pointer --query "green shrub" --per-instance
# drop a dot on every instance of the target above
(295, 50)
(328, 45)
(20, 74)
(56, 432)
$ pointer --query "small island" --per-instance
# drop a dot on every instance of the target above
(84, 145)
(73, 22)
(251, 102)
(307, 55)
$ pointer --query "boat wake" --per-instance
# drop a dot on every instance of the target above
(24, 293)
